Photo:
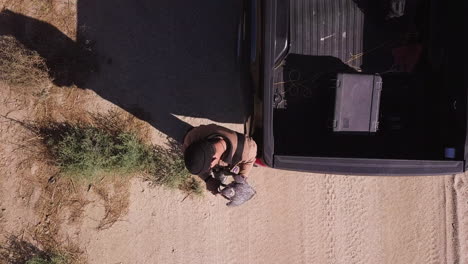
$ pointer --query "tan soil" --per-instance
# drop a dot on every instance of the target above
(295, 217)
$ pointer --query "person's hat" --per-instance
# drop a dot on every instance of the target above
(198, 156)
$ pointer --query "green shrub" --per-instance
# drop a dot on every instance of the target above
(85, 152)
(54, 259)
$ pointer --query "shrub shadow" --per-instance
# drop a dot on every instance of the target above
(17, 251)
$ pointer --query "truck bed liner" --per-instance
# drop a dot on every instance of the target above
(327, 28)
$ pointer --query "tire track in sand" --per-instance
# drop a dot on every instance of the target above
(461, 205)
(434, 253)
(311, 219)
(433, 256)
(235, 246)
(330, 211)
(355, 219)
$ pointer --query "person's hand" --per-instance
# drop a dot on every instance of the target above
(222, 176)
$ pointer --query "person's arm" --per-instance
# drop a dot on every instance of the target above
(246, 167)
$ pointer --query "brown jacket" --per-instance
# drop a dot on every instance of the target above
(248, 155)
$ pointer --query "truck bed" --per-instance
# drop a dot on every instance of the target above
(420, 114)
(327, 28)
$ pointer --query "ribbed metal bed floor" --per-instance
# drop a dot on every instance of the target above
(336, 26)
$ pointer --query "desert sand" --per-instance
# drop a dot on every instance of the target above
(294, 218)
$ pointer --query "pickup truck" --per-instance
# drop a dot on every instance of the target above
(356, 86)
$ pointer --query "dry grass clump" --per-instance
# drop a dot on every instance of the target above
(170, 170)
(61, 14)
(20, 66)
(115, 197)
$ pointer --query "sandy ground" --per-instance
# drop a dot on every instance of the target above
(295, 217)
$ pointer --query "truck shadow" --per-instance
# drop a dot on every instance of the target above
(164, 59)
(158, 60)
(69, 62)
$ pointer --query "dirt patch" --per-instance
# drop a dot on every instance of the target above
(20, 66)
(70, 61)
(295, 217)
(115, 197)
(36, 202)
(61, 14)
(32, 201)
(38, 207)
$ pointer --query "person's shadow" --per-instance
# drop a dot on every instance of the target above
(156, 59)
